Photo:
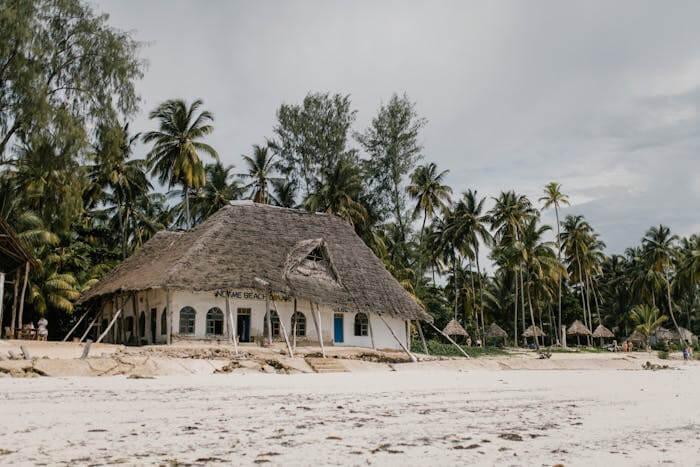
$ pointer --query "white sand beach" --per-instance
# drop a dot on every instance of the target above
(425, 416)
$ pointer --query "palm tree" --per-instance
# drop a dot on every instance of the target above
(554, 197)
(260, 167)
(647, 320)
(285, 193)
(177, 145)
(429, 192)
(339, 194)
(218, 191)
(576, 240)
(659, 249)
(507, 217)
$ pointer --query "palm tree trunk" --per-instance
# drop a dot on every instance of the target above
(515, 312)
(595, 299)
(454, 278)
(583, 299)
(476, 315)
(187, 206)
(481, 297)
(522, 299)
(14, 302)
(21, 297)
(532, 318)
(558, 330)
(670, 308)
(122, 229)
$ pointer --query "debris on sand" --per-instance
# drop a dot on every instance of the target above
(654, 367)
(229, 367)
(138, 376)
(511, 436)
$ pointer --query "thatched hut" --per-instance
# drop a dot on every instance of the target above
(664, 335)
(637, 337)
(603, 333)
(494, 331)
(533, 331)
(15, 260)
(578, 329)
(453, 328)
(253, 271)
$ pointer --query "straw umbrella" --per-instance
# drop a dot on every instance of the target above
(534, 332)
(602, 332)
(496, 332)
(453, 328)
(578, 329)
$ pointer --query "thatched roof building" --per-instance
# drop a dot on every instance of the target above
(603, 332)
(267, 261)
(664, 334)
(578, 329)
(453, 328)
(637, 336)
(494, 331)
(13, 252)
(532, 331)
(246, 241)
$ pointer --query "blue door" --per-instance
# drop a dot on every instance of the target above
(338, 328)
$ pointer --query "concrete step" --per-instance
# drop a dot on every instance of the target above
(326, 365)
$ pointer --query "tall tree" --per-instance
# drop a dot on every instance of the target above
(177, 145)
(310, 139)
(392, 145)
(62, 68)
(260, 168)
(427, 188)
(553, 196)
(339, 195)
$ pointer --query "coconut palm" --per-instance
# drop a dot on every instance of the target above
(429, 192)
(659, 248)
(576, 241)
(285, 193)
(259, 169)
(647, 320)
(218, 191)
(175, 157)
(339, 194)
(553, 196)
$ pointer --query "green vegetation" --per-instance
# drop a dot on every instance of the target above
(442, 348)
(663, 355)
(75, 188)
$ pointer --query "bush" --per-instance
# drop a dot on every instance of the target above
(663, 355)
(446, 349)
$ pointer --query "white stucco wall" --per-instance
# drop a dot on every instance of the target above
(202, 302)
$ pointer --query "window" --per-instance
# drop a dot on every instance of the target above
(142, 324)
(361, 324)
(299, 322)
(164, 322)
(215, 322)
(274, 319)
(187, 315)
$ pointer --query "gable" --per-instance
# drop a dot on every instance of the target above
(316, 265)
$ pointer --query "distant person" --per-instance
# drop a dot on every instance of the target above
(43, 332)
(478, 342)
(685, 353)
(624, 346)
(469, 341)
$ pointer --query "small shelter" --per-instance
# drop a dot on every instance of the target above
(494, 331)
(602, 332)
(578, 329)
(637, 337)
(453, 328)
(14, 258)
(533, 331)
(664, 335)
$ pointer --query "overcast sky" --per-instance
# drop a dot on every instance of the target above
(603, 97)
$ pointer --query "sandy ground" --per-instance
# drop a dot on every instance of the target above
(418, 417)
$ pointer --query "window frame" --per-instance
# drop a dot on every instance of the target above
(193, 321)
(361, 325)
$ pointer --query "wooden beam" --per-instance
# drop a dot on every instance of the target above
(294, 325)
(14, 304)
(75, 326)
(269, 319)
(284, 328)
(408, 352)
(2, 295)
(371, 332)
(149, 331)
(169, 316)
(86, 350)
(422, 337)
(24, 290)
(317, 323)
(233, 326)
(137, 320)
(109, 326)
(25, 352)
(90, 325)
(450, 339)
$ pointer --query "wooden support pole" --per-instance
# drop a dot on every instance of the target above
(75, 326)
(2, 295)
(169, 316)
(294, 325)
(149, 331)
(317, 323)
(450, 339)
(269, 319)
(408, 352)
(371, 332)
(233, 325)
(92, 323)
(137, 320)
(284, 328)
(86, 350)
(24, 290)
(422, 337)
(104, 333)
(25, 352)
(14, 304)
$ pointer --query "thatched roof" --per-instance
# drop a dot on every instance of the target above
(453, 328)
(578, 329)
(246, 244)
(13, 252)
(637, 336)
(602, 331)
(530, 332)
(495, 331)
(664, 334)
(687, 335)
